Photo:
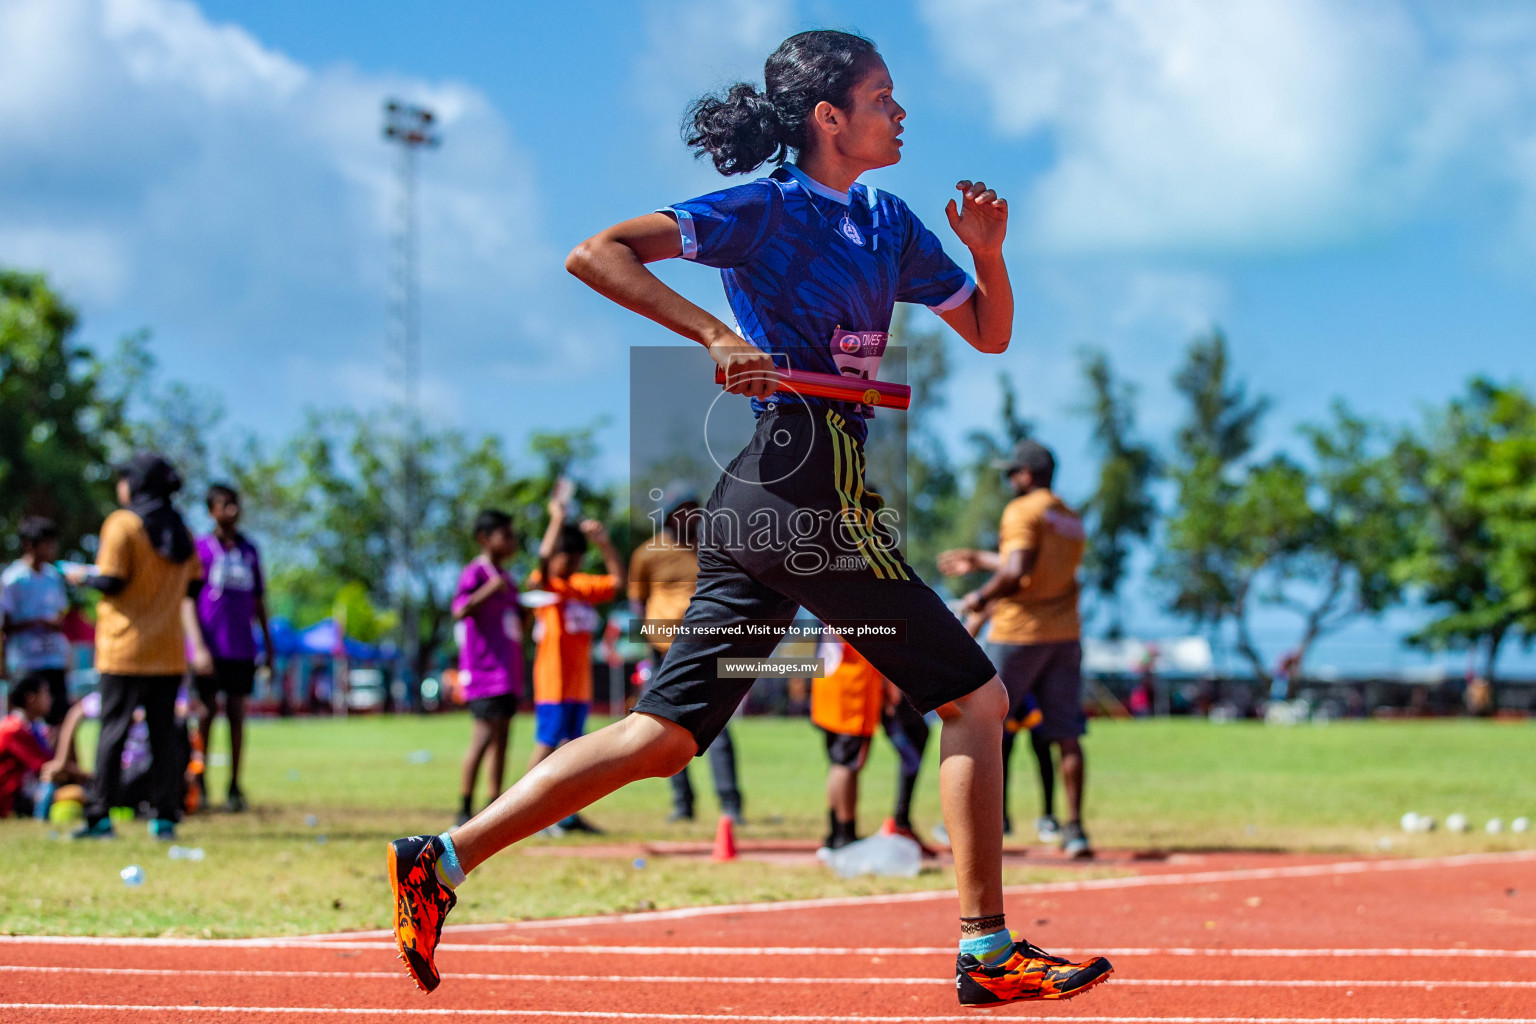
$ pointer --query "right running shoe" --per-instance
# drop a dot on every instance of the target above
(422, 901)
(1028, 973)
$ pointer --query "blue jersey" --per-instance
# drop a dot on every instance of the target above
(812, 274)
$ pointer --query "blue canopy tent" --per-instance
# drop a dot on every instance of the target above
(322, 637)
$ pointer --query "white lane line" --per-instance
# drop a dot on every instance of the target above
(363, 1011)
(1088, 885)
(643, 979)
(714, 951)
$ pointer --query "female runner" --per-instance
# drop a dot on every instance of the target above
(812, 263)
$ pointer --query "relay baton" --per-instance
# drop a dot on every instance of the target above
(835, 386)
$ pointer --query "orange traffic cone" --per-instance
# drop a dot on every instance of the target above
(725, 840)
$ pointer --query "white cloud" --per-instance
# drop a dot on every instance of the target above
(699, 46)
(1181, 124)
(175, 172)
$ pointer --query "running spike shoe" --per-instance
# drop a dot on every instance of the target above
(422, 901)
(1028, 973)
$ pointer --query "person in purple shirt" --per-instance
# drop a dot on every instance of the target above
(488, 625)
(233, 597)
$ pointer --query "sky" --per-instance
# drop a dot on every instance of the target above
(1348, 189)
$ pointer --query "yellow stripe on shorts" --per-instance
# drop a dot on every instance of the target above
(845, 467)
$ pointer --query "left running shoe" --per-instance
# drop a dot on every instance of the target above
(422, 901)
(1028, 973)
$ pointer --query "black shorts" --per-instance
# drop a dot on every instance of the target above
(235, 677)
(56, 682)
(789, 526)
(1053, 674)
(846, 750)
(493, 709)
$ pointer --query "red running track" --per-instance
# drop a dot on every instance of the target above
(1206, 940)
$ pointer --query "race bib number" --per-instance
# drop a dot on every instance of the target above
(857, 354)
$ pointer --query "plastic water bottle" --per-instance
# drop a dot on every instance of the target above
(887, 856)
(132, 875)
(177, 852)
(311, 820)
(419, 757)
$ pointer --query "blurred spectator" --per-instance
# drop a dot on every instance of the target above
(148, 573)
(29, 768)
(231, 599)
(489, 629)
(34, 602)
(1479, 697)
(846, 705)
(1281, 685)
(562, 665)
(1036, 630)
(663, 573)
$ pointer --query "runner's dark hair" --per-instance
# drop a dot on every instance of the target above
(742, 128)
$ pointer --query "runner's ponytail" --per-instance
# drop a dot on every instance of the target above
(744, 128)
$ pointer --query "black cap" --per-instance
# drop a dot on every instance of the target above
(1030, 455)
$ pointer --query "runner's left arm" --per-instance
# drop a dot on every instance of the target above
(980, 220)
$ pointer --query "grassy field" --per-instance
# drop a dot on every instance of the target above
(1171, 785)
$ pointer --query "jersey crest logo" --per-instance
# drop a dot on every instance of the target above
(851, 231)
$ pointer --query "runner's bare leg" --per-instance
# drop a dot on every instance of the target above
(573, 776)
(971, 790)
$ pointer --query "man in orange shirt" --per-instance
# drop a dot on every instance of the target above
(562, 662)
(1035, 629)
(846, 705)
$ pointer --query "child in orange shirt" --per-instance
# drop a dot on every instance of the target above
(846, 706)
(562, 662)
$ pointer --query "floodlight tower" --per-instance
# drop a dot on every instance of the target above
(412, 128)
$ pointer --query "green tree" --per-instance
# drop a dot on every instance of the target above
(983, 490)
(1470, 557)
(1121, 511)
(1197, 564)
(166, 417)
(57, 420)
(332, 500)
(1321, 540)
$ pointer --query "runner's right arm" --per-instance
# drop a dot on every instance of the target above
(612, 262)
